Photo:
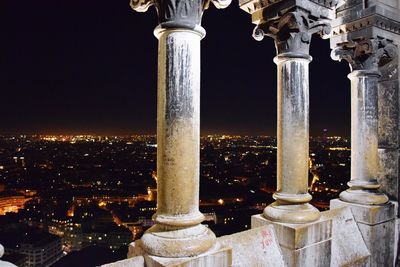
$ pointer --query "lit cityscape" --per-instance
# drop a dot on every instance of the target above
(96, 194)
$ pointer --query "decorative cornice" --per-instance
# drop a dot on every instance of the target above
(365, 54)
(251, 6)
(366, 22)
(178, 13)
(292, 32)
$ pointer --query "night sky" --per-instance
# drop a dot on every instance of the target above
(85, 66)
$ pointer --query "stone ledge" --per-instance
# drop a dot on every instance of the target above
(368, 214)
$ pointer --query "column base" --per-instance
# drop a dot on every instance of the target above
(165, 241)
(377, 226)
(293, 213)
(216, 256)
(302, 244)
(363, 197)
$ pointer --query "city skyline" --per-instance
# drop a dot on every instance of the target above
(94, 195)
(91, 68)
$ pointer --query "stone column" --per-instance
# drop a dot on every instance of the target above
(374, 214)
(178, 231)
(363, 58)
(292, 195)
(304, 237)
(292, 39)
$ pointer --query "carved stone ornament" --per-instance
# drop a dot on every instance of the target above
(292, 32)
(178, 13)
(365, 54)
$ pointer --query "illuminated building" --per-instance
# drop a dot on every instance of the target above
(39, 248)
(11, 202)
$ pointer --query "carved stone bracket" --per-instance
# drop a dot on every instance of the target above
(292, 32)
(178, 13)
(365, 54)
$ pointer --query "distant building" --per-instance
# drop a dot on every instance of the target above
(40, 249)
(11, 201)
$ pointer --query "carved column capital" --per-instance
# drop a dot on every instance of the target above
(365, 54)
(178, 13)
(292, 32)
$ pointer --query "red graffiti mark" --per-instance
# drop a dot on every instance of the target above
(266, 239)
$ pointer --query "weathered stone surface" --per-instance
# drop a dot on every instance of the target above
(218, 256)
(254, 248)
(397, 244)
(388, 122)
(388, 113)
(316, 255)
(380, 241)
(135, 250)
(302, 244)
(132, 262)
(348, 246)
(296, 236)
(388, 175)
(368, 214)
(377, 227)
